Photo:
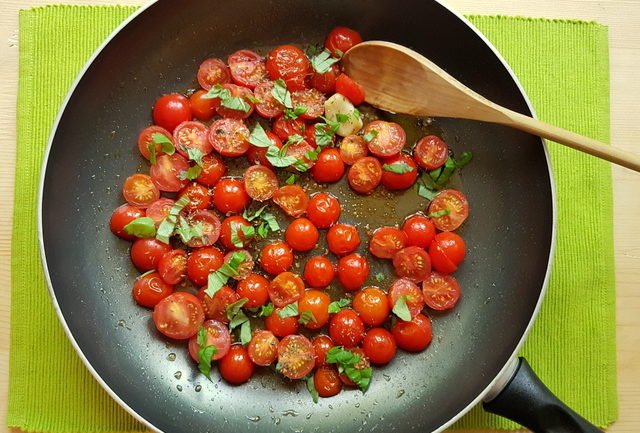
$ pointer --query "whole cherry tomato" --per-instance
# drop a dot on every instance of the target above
(301, 235)
(346, 328)
(171, 110)
(319, 272)
(343, 239)
(353, 270)
(236, 366)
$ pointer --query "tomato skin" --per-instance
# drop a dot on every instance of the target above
(139, 190)
(229, 195)
(412, 263)
(343, 239)
(276, 257)
(191, 135)
(353, 271)
(440, 291)
(167, 170)
(319, 272)
(342, 39)
(379, 345)
(203, 261)
(230, 224)
(263, 348)
(145, 138)
(399, 181)
(439, 259)
(316, 302)
(213, 169)
(389, 138)
(312, 99)
(171, 110)
(292, 199)
(247, 68)
(229, 137)
(457, 205)
(215, 306)
(365, 175)
(147, 252)
(159, 209)
(246, 266)
(150, 289)
(284, 127)
(346, 328)
(430, 152)
(413, 336)
(122, 216)
(414, 298)
(236, 366)
(290, 64)
(210, 227)
(281, 327)
(295, 356)
(420, 231)
(321, 345)
(350, 89)
(199, 196)
(255, 288)
(202, 108)
(327, 381)
(386, 241)
(178, 315)
(372, 305)
(173, 266)
(452, 245)
(260, 182)
(217, 335)
(329, 167)
(301, 235)
(326, 82)
(212, 72)
(237, 92)
(323, 210)
(286, 288)
(352, 148)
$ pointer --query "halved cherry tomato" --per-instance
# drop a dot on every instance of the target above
(171, 110)
(440, 291)
(263, 348)
(212, 72)
(301, 151)
(236, 366)
(430, 152)
(146, 138)
(257, 155)
(191, 135)
(147, 252)
(352, 148)
(231, 230)
(329, 166)
(245, 268)
(379, 345)
(281, 326)
(343, 239)
(388, 138)
(326, 82)
(341, 39)
(178, 316)
(321, 345)
(439, 260)
(412, 263)
(229, 195)
(286, 288)
(302, 235)
(239, 92)
(350, 89)
(218, 336)
(247, 68)
(260, 182)
(419, 230)
(319, 272)
(159, 209)
(360, 365)
(399, 181)
(210, 225)
(230, 137)
(122, 216)
(149, 289)
(203, 108)
(353, 271)
(456, 203)
(326, 381)
(386, 241)
(268, 106)
(292, 199)
(295, 356)
(290, 64)
(167, 172)
(215, 307)
(285, 127)
(203, 261)
(448, 251)
(139, 190)
(276, 257)
(413, 336)
(365, 175)
(199, 196)
(173, 266)
(412, 294)
(316, 303)
(346, 328)
(213, 169)
(312, 100)
(323, 210)
(255, 288)
(373, 306)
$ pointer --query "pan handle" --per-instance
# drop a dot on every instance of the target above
(527, 401)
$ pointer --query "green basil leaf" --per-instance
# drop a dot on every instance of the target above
(217, 91)
(168, 224)
(356, 113)
(290, 310)
(321, 63)
(259, 137)
(271, 222)
(235, 237)
(251, 216)
(220, 277)
(465, 159)
(152, 153)
(370, 135)
(166, 143)
(248, 231)
(398, 167)
(401, 309)
(295, 113)
(143, 227)
(278, 158)
(291, 179)
(439, 213)
(205, 353)
(306, 317)
(236, 103)
(338, 305)
(311, 387)
(245, 333)
(263, 230)
(188, 232)
(281, 94)
(233, 309)
(380, 277)
(340, 117)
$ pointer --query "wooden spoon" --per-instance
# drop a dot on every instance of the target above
(400, 80)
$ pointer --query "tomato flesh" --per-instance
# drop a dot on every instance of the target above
(295, 356)
(178, 315)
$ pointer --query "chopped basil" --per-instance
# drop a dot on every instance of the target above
(248, 231)
(278, 157)
(311, 387)
(233, 310)
(465, 159)
(398, 167)
(370, 135)
(441, 175)
(188, 232)
(340, 117)
(263, 311)
(324, 133)
(152, 153)
(168, 224)
(165, 142)
(347, 361)
(205, 353)
(250, 217)
(226, 100)
(291, 179)
(245, 333)
(401, 309)
(143, 227)
(438, 214)
(281, 94)
(192, 173)
(295, 139)
(338, 305)
(289, 310)
(293, 114)
(322, 62)
(263, 230)
(380, 277)
(217, 91)
(271, 222)
(306, 317)
(356, 113)
(259, 137)
(235, 237)
(338, 53)
(253, 99)
(220, 277)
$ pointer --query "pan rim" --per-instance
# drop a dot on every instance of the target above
(491, 390)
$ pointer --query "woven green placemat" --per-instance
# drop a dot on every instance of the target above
(563, 65)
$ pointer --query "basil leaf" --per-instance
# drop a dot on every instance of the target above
(168, 224)
(291, 179)
(248, 231)
(152, 153)
(245, 333)
(263, 311)
(311, 387)
(235, 237)
(259, 137)
(340, 117)
(143, 227)
(219, 278)
(217, 91)
(324, 134)
(465, 159)
(233, 309)
(271, 222)
(191, 174)
(398, 167)
(290, 310)
(188, 232)
(263, 230)
(338, 305)
(281, 94)
(205, 353)
(380, 277)
(321, 63)
(306, 317)
(370, 135)
(250, 217)
(293, 114)
(166, 143)
(295, 139)
(346, 362)
(312, 155)
(278, 157)
(439, 213)
(236, 103)
(401, 309)
(195, 155)
(356, 113)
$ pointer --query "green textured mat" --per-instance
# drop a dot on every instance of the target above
(563, 65)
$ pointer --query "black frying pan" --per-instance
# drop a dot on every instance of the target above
(93, 149)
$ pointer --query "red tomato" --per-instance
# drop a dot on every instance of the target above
(122, 216)
(232, 227)
(316, 303)
(285, 127)
(257, 155)
(326, 381)
(323, 210)
(321, 345)
(341, 39)
(149, 289)
(388, 138)
(326, 82)
(203, 261)
(448, 251)
(173, 266)
(241, 93)
(302, 235)
(295, 356)
(430, 152)
(171, 110)
(329, 167)
(412, 263)
(346, 328)
(410, 291)
(198, 195)
(373, 306)
(202, 108)
(342, 239)
(139, 190)
(255, 288)
(281, 327)
(166, 173)
(386, 241)
(147, 252)
(365, 175)
(290, 64)
(419, 230)
(236, 366)
(440, 291)
(218, 336)
(246, 266)
(263, 348)
(215, 307)
(456, 203)
(276, 257)
(312, 100)
(310, 135)
(379, 345)
(178, 315)
(350, 89)
(159, 209)
(210, 225)
(229, 195)
(212, 72)
(213, 168)
(229, 137)
(319, 272)
(260, 182)
(399, 181)
(413, 336)
(286, 288)
(268, 106)
(146, 138)
(360, 365)
(300, 150)
(353, 271)
(192, 135)
(292, 199)
(352, 148)
(247, 68)
(439, 260)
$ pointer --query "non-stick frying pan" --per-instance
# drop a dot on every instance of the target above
(92, 150)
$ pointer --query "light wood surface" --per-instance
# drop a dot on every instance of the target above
(623, 19)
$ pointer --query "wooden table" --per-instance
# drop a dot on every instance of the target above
(623, 19)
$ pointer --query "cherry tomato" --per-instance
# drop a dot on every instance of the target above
(229, 195)
(341, 39)
(310, 135)
(276, 257)
(147, 252)
(412, 263)
(147, 137)
(373, 306)
(255, 288)
(139, 190)
(213, 168)
(229, 137)
(257, 155)
(192, 135)
(439, 260)
(321, 345)
(171, 110)
(236, 366)
(178, 315)
(352, 148)
(286, 288)
(203, 261)
(365, 175)
(245, 268)
(247, 68)
(329, 167)
(260, 182)
(263, 348)
(350, 89)
(346, 328)
(342, 239)
(323, 210)
(447, 251)
(173, 266)
(281, 326)
(218, 336)
(166, 173)
(202, 108)
(290, 64)
(122, 216)
(300, 150)
(379, 345)
(292, 200)
(159, 209)
(243, 93)
(386, 241)
(149, 289)
(403, 287)
(198, 195)
(268, 106)
(319, 272)
(326, 82)
(284, 127)
(302, 235)
(430, 152)
(353, 271)
(210, 225)
(440, 291)
(456, 203)
(326, 381)
(295, 356)
(215, 307)
(413, 336)
(316, 303)
(360, 365)
(388, 138)
(212, 72)
(312, 100)
(399, 181)
(420, 231)
(231, 230)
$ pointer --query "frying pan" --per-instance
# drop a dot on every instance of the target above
(509, 185)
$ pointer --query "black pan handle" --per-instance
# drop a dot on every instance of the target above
(527, 401)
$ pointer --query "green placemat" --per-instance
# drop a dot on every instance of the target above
(563, 65)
